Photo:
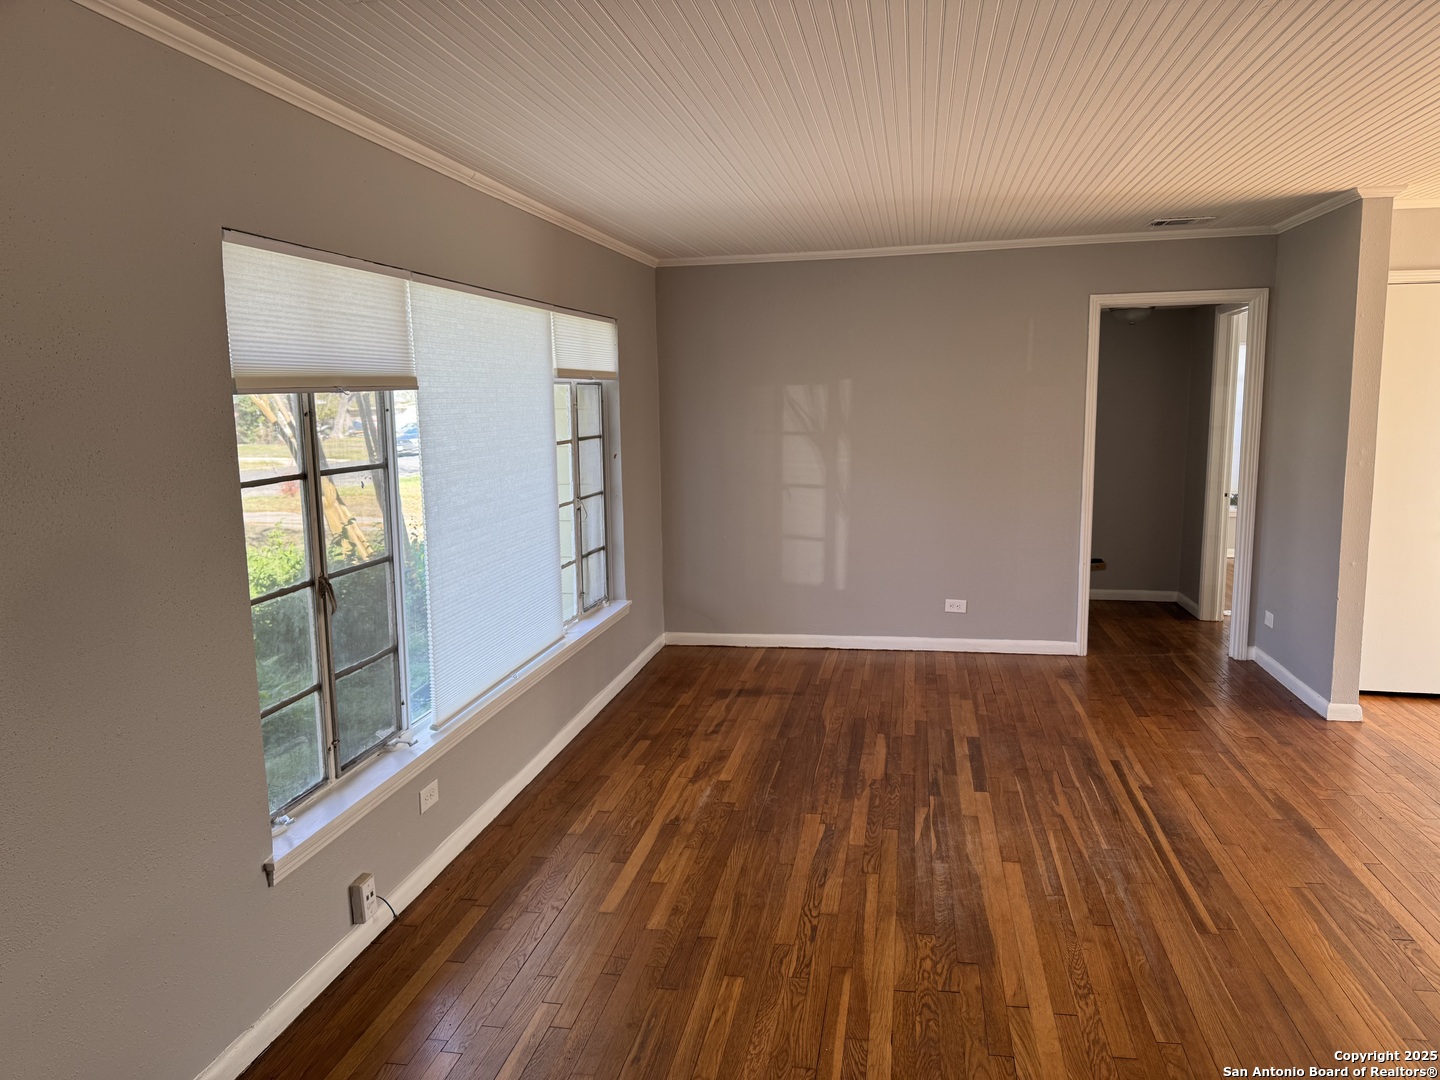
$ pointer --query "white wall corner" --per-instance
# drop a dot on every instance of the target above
(1313, 700)
(238, 1056)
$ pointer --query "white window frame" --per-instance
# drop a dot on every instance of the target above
(576, 502)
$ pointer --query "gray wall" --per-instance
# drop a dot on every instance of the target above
(1317, 447)
(1415, 240)
(945, 460)
(139, 937)
(1145, 509)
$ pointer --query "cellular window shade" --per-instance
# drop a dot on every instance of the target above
(487, 420)
(305, 324)
(585, 348)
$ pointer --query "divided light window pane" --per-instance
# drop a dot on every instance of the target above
(487, 409)
(365, 708)
(294, 750)
(265, 430)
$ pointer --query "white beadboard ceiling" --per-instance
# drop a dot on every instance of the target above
(691, 130)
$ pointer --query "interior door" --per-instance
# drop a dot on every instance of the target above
(1400, 650)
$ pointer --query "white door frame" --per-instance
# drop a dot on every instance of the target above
(1210, 600)
(1258, 302)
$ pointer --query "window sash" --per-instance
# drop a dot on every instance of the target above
(317, 584)
(576, 501)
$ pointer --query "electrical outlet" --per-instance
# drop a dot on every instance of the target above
(955, 605)
(1269, 618)
(363, 903)
(429, 795)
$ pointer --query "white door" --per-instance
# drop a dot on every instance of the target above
(1400, 651)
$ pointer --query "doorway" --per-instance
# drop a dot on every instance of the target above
(1231, 460)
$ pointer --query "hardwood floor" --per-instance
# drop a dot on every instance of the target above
(1149, 862)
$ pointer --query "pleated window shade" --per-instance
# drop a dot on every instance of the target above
(300, 323)
(585, 348)
(487, 429)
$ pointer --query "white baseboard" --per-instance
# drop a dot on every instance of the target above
(1189, 605)
(1314, 700)
(248, 1046)
(846, 641)
(1150, 596)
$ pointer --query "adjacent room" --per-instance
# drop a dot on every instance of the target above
(875, 538)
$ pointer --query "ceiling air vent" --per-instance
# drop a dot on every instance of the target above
(1177, 222)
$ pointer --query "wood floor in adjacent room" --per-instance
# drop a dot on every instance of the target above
(1149, 862)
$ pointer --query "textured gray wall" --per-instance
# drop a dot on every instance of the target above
(139, 937)
(1415, 240)
(1143, 448)
(1326, 324)
(945, 461)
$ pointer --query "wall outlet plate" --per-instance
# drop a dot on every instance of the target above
(1269, 618)
(363, 903)
(955, 606)
(429, 795)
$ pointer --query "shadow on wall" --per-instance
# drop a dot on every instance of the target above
(815, 483)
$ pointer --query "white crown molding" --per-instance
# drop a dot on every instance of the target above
(848, 641)
(1320, 209)
(182, 37)
(1414, 277)
(971, 245)
(1334, 202)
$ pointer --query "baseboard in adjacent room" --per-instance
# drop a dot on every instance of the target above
(253, 1041)
(848, 641)
(1315, 701)
(1189, 605)
(1149, 596)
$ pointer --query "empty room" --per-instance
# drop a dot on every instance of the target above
(865, 538)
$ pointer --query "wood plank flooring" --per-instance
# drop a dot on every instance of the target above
(1148, 862)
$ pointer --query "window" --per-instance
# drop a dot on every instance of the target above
(392, 588)
(580, 468)
(321, 502)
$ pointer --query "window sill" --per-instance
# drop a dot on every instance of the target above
(316, 823)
